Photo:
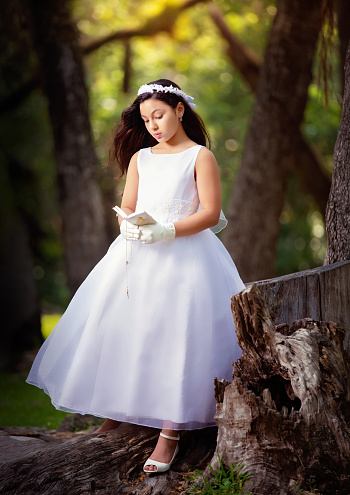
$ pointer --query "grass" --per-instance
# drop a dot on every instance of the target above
(309, 491)
(225, 481)
(22, 404)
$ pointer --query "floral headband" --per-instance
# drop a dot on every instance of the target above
(157, 88)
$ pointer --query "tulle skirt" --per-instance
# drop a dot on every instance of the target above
(149, 357)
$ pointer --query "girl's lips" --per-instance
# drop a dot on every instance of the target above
(157, 136)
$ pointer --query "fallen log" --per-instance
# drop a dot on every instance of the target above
(33, 461)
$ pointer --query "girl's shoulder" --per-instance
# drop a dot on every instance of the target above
(205, 154)
(133, 161)
(135, 157)
(204, 151)
(205, 161)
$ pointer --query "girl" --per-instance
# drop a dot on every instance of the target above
(151, 326)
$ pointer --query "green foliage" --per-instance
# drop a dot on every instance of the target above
(311, 489)
(224, 481)
(22, 404)
(302, 243)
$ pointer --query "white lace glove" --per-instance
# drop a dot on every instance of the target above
(129, 231)
(149, 234)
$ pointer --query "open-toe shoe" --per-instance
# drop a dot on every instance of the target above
(162, 467)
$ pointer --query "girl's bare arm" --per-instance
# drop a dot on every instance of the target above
(209, 191)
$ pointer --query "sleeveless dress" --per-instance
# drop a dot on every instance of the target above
(149, 358)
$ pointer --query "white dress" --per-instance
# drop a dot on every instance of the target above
(149, 358)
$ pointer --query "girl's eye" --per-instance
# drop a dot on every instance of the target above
(160, 117)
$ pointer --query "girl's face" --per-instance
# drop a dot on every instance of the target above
(161, 120)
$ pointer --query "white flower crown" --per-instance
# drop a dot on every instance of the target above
(157, 88)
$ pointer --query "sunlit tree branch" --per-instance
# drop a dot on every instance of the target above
(163, 22)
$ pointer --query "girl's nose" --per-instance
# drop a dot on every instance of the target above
(154, 124)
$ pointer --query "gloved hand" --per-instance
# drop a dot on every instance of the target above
(129, 231)
(149, 234)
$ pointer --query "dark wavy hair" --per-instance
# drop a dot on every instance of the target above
(130, 134)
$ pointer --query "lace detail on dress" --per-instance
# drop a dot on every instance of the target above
(170, 210)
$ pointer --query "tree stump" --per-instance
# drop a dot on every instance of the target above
(286, 414)
(322, 293)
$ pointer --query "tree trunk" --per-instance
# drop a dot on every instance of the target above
(342, 8)
(286, 414)
(260, 187)
(60, 59)
(19, 308)
(338, 207)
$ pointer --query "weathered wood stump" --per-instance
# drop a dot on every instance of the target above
(322, 293)
(286, 414)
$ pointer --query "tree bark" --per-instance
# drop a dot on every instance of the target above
(260, 187)
(342, 8)
(104, 464)
(60, 59)
(322, 293)
(338, 207)
(286, 414)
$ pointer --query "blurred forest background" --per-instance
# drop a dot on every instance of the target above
(68, 68)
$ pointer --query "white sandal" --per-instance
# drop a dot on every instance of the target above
(162, 467)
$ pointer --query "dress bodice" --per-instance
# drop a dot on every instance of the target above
(167, 188)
